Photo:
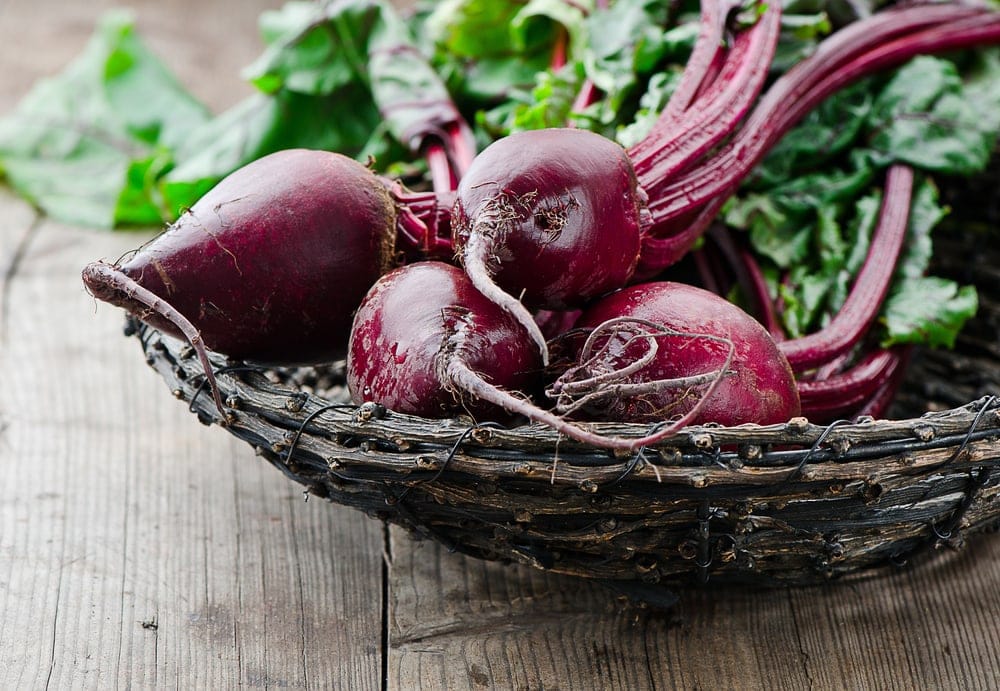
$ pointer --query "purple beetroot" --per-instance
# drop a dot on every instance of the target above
(424, 332)
(270, 264)
(667, 351)
(551, 217)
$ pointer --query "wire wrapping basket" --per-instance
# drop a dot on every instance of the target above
(787, 504)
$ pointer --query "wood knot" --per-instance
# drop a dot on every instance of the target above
(296, 402)
(924, 433)
(797, 425)
(427, 463)
(703, 441)
(369, 410)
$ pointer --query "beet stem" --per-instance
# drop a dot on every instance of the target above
(674, 145)
(804, 87)
(461, 146)
(101, 277)
(749, 276)
(442, 178)
(863, 378)
(871, 285)
(880, 402)
(420, 219)
(474, 259)
(714, 14)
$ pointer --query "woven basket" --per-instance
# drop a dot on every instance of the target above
(794, 503)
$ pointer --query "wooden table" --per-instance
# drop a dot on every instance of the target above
(140, 549)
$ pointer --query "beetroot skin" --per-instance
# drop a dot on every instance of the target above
(560, 213)
(759, 386)
(270, 264)
(416, 325)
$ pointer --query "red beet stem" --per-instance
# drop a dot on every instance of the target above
(857, 383)
(461, 146)
(853, 57)
(871, 285)
(677, 142)
(879, 404)
(588, 93)
(743, 265)
(442, 177)
(108, 283)
(697, 70)
(423, 221)
(662, 248)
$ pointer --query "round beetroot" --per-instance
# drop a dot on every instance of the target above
(550, 218)
(709, 358)
(422, 323)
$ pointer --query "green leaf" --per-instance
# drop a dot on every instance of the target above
(627, 40)
(537, 22)
(928, 310)
(925, 213)
(925, 117)
(314, 48)
(658, 91)
(347, 122)
(825, 133)
(86, 145)
(406, 90)
(486, 57)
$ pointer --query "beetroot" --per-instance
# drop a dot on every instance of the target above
(662, 351)
(426, 342)
(420, 321)
(270, 264)
(553, 217)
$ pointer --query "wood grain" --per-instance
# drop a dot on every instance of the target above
(931, 626)
(142, 548)
(139, 549)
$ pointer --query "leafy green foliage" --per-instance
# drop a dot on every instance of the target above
(116, 140)
(810, 210)
(87, 145)
(928, 310)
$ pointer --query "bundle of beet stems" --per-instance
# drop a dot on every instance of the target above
(547, 221)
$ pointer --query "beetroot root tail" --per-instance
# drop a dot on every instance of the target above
(104, 280)
(474, 260)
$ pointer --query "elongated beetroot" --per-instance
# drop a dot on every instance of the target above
(553, 217)
(270, 264)
(418, 324)
(659, 351)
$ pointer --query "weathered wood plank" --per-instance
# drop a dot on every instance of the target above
(139, 547)
(457, 622)
(461, 623)
(136, 547)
